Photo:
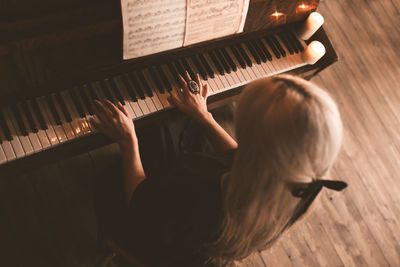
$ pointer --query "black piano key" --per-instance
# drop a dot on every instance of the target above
(164, 78)
(238, 57)
(158, 82)
(20, 122)
(258, 50)
(91, 91)
(292, 43)
(295, 41)
(116, 91)
(181, 70)
(200, 67)
(286, 43)
(264, 49)
(39, 115)
(63, 107)
(244, 55)
(136, 85)
(216, 63)
(278, 45)
(273, 47)
(53, 110)
(4, 127)
(206, 66)
(84, 92)
(174, 72)
(228, 59)
(29, 118)
(253, 52)
(128, 87)
(222, 60)
(106, 91)
(77, 104)
(145, 84)
(192, 73)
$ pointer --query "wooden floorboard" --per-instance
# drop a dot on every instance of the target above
(47, 216)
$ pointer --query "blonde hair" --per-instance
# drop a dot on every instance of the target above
(289, 131)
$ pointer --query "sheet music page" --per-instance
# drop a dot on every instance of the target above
(209, 19)
(152, 26)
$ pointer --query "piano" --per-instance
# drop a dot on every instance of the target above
(57, 56)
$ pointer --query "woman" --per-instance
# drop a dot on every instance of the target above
(212, 209)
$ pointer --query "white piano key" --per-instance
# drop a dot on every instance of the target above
(15, 143)
(55, 132)
(241, 73)
(258, 71)
(69, 132)
(80, 124)
(24, 140)
(79, 93)
(41, 134)
(33, 138)
(211, 87)
(219, 79)
(147, 100)
(8, 150)
(134, 104)
(155, 99)
(3, 157)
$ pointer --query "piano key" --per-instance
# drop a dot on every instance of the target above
(39, 115)
(214, 60)
(276, 61)
(114, 94)
(58, 130)
(244, 55)
(272, 46)
(228, 59)
(18, 123)
(85, 99)
(205, 64)
(32, 137)
(218, 78)
(256, 68)
(180, 69)
(136, 85)
(124, 94)
(296, 41)
(258, 50)
(16, 142)
(291, 42)
(189, 69)
(6, 131)
(264, 49)
(238, 56)
(210, 83)
(62, 107)
(286, 43)
(145, 84)
(128, 86)
(77, 103)
(32, 125)
(132, 102)
(106, 91)
(53, 111)
(253, 53)
(3, 157)
(222, 60)
(278, 45)
(41, 134)
(164, 78)
(147, 100)
(241, 72)
(174, 72)
(154, 98)
(200, 69)
(98, 91)
(79, 125)
(91, 93)
(114, 88)
(8, 150)
(153, 74)
(225, 77)
(69, 132)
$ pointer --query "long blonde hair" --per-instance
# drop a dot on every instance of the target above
(289, 131)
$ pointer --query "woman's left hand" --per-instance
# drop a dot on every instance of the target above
(114, 121)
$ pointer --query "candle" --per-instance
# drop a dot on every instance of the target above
(314, 51)
(311, 25)
(278, 18)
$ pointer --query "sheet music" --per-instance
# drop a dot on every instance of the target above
(209, 19)
(152, 26)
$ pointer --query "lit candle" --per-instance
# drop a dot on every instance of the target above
(278, 18)
(311, 25)
(314, 51)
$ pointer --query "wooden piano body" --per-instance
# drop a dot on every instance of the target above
(50, 46)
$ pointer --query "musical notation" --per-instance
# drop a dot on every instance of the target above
(152, 26)
(209, 19)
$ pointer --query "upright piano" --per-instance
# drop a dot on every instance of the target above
(57, 56)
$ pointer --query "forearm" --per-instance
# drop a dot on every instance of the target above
(218, 136)
(132, 168)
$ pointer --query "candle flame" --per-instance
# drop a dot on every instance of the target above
(277, 14)
(303, 6)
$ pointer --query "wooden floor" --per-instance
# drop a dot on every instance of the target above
(47, 216)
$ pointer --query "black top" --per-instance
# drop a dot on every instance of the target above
(175, 216)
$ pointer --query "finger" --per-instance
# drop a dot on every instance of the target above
(173, 99)
(205, 91)
(199, 83)
(114, 110)
(123, 109)
(97, 125)
(188, 78)
(102, 113)
(182, 81)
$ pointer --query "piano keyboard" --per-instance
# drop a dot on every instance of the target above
(35, 125)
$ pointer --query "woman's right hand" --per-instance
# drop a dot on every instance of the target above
(194, 105)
